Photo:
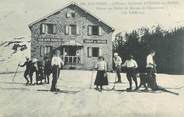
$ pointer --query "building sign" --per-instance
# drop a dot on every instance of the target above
(50, 39)
(92, 41)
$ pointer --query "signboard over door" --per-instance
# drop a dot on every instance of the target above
(92, 41)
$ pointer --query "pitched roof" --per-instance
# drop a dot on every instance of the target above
(74, 4)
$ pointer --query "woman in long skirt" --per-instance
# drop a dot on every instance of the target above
(101, 77)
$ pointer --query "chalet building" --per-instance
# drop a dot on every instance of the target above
(80, 36)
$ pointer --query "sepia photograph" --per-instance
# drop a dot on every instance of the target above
(83, 58)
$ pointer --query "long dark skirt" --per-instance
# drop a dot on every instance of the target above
(100, 79)
(152, 79)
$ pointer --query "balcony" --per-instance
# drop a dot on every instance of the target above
(72, 60)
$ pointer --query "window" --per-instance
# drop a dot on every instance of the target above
(94, 30)
(72, 30)
(48, 28)
(73, 14)
(47, 50)
(70, 14)
(94, 52)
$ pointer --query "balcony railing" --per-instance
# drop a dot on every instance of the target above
(72, 60)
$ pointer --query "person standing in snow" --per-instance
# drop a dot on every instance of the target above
(101, 77)
(151, 69)
(117, 64)
(56, 64)
(40, 72)
(131, 66)
(27, 70)
(47, 69)
(33, 69)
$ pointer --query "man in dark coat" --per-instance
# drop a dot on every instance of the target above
(33, 69)
(27, 70)
(47, 69)
(40, 72)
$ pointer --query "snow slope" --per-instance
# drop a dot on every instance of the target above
(18, 100)
(9, 58)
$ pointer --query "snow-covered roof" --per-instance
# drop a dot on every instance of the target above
(74, 4)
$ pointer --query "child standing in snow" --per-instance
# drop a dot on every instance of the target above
(131, 66)
(101, 77)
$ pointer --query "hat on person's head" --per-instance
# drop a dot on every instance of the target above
(152, 51)
(101, 57)
(27, 58)
(130, 56)
(115, 54)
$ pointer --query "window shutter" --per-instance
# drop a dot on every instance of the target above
(89, 52)
(68, 14)
(77, 30)
(100, 51)
(66, 29)
(70, 30)
(54, 29)
(89, 30)
(45, 50)
(43, 28)
(99, 30)
(46, 28)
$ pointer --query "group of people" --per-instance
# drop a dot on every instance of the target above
(43, 69)
(147, 79)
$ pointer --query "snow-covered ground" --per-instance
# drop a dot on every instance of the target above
(78, 100)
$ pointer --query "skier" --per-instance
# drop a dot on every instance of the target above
(56, 64)
(40, 72)
(33, 69)
(101, 77)
(143, 80)
(131, 66)
(151, 69)
(27, 70)
(117, 64)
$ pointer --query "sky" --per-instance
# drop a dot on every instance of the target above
(16, 15)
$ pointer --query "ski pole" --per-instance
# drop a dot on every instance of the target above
(91, 79)
(15, 73)
(57, 75)
(165, 90)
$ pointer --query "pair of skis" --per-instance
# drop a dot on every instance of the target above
(91, 81)
(114, 85)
